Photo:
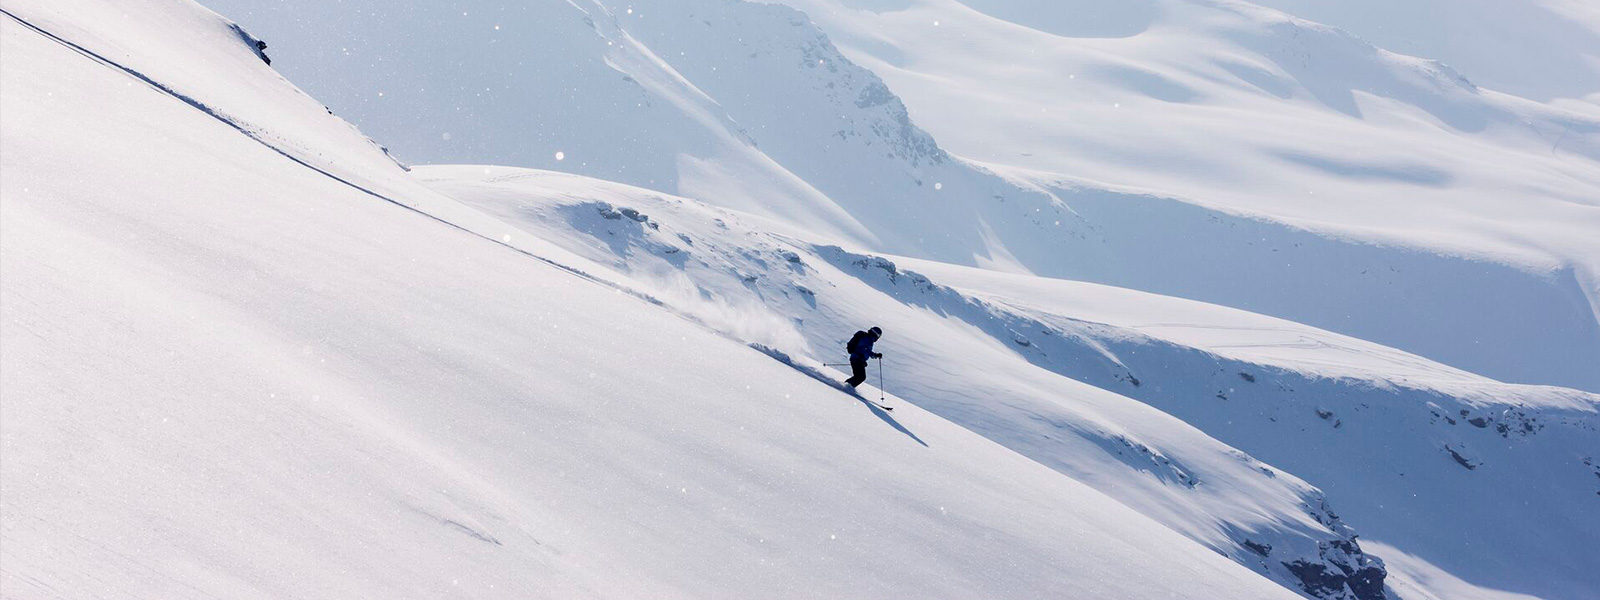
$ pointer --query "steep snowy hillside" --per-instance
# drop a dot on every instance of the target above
(1206, 149)
(248, 354)
(228, 373)
(1545, 50)
(1437, 207)
(747, 281)
(1408, 449)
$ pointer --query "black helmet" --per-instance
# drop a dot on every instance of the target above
(875, 332)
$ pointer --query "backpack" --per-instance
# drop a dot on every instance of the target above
(855, 340)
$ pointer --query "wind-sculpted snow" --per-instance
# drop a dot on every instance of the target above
(1378, 428)
(227, 374)
(1087, 140)
(247, 354)
(1542, 50)
(233, 83)
(1387, 434)
(1158, 465)
(1482, 203)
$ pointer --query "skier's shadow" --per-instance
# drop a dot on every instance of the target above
(833, 382)
(884, 415)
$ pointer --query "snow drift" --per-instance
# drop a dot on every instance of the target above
(230, 374)
(247, 353)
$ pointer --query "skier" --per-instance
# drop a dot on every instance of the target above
(860, 348)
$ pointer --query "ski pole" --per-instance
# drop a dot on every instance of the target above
(880, 380)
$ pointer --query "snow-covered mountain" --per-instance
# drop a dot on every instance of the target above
(1212, 150)
(1384, 196)
(1543, 50)
(248, 354)
(229, 373)
(1067, 373)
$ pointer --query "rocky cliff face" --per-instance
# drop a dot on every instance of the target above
(1341, 570)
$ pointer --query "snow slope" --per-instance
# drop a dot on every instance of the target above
(1414, 454)
(228, 373)
(1408, 449)
(747, 281)
(1545, 50)
(1480, 204)
(250, 320)
(1213, 150)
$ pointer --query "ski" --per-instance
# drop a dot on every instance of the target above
(872, 402)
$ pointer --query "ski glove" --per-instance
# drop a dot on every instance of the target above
(877, 355)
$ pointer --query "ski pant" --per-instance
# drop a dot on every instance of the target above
(858, 373)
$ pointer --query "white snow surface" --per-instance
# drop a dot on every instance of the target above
(248, 354)
(1208, 149)
(1407, 449)
(1225, 105)
(230, 375)
(1545, 50)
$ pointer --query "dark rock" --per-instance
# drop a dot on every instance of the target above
(1262, 549)
(255, 44)
(1462, 460)
(1344, 572)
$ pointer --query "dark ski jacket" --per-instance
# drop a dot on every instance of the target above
(860, 346)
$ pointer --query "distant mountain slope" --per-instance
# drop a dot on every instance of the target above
(1212, 150)
(1544, 50)
(230, 374)
(1408, 449)
(782, 292)
(247, 354)
(1483, 204)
